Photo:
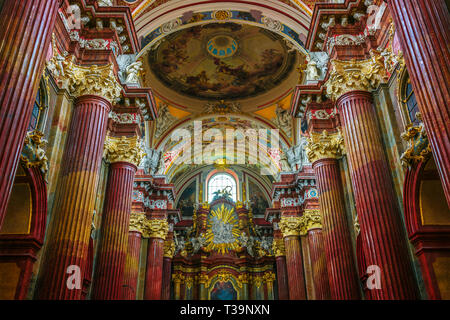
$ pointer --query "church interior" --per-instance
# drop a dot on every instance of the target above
(224, 150)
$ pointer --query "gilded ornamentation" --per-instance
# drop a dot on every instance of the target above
(312, 219)
(203, 279)
(223, 230)
(178, 278)
(390, 58)
(137, 222)
(156, 228)
(269, 277)
(189, 282)
(353, 75)
(33, 154)
(356, 225)
(324, 146)
(290, 226)
(124, 150)
(169, 249)
(278, 247)
(243, 278)
(91, 80)
(418, 149)
(222, 15)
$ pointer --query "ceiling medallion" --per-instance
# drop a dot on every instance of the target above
(222, 46)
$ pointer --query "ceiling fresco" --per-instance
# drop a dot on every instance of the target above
(222, 61)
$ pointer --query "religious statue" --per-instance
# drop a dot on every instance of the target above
(311, 71)
(133, 71)
(164, 120)
(283, 120)
(224, 193)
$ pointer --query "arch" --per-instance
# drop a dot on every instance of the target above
(428, 226)
(20, 242)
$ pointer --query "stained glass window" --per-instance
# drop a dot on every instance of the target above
(411, 103)
(219, 182)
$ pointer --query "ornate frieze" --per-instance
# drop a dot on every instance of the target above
(290, 226)
(325, 145)
(312, 219)
(278, 247)
(125, 118)
(137, 222)
(124, 150)
(353, 75)
(156, 228)
(33, 153)
(419, 149)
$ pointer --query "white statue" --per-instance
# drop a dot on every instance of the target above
(133, 71)
(283, 120)
(312, 74)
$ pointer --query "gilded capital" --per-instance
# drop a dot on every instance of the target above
(203, 279)
(278, 247)
(312, 219)
(124, 150)
(156, 228)
(178, 278)
(137, 222)
(269, 277)
(325, 146)
(290, 226)
(169, 249)
(355, 75)
(91, 80)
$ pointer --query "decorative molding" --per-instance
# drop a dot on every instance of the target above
(324, 145)
(125, 118)
(353, 75)
(290, 226)
(33, 153)
(124, 150)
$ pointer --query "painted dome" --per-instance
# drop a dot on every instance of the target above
(222, 46)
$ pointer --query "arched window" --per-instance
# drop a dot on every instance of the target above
(407, 98)
(39, 110)
(219, 182)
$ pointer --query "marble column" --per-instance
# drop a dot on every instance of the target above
(131, 270)
(177, 279)
(169, 250)
(323, 151)
(422, 26)
(25, 33)
(69, 230)
(124, 154)
(158, 229)
(290, 227)
(280, 259)
(313, 224)
(382, 230)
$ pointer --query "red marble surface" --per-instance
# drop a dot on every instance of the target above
(108, 276)
(69, 231)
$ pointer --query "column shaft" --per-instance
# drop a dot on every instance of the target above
(381, 225)
(108, 277)
(153, 278)
(319, 265)
(166, 277)
(423, 29)
(131, 272)
(282, 278)
(25, 33)
(69, 232)
(294, 263)
(341, 266)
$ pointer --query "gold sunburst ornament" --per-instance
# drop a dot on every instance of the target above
(223, 231)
